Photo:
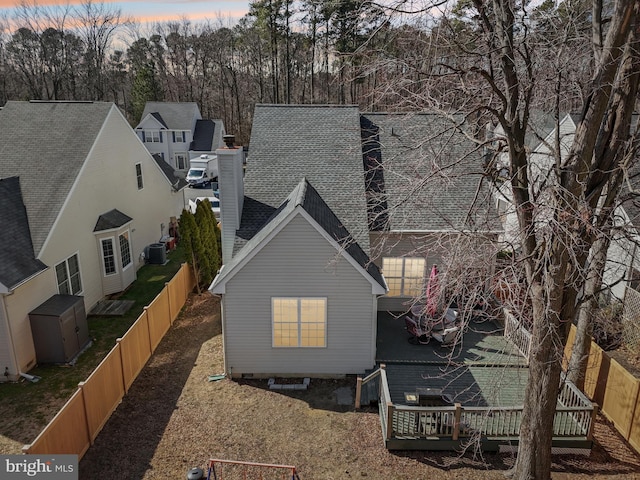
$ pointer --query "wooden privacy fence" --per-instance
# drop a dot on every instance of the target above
(76, 426)
(612, 387)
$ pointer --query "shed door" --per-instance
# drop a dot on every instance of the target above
(69, 334)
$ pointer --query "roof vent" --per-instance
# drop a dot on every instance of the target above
(203, 156)
(229, 140)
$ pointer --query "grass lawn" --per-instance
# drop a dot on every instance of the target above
(26, 408)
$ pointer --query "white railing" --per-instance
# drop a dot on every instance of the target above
(515, 332)
(573, 418)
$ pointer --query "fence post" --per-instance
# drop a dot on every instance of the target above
(168, 289)
(456, 421)
(594, 414)
(124, 380)
(358, 391)
(145, 310)
(86, 413)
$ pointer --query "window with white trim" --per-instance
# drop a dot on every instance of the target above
(404, 276)
(68, 276)
(179, 136)
(125, 249)
(139, 176)
(299, 322)
(152, 136)
(108, 256)
(181, 161)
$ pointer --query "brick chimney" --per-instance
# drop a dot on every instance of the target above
(231, 188)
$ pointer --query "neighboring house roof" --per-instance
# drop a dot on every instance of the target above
(178, 183)
(17, 259)
(304, 198)
(46, 144)
(158, 117)
(112, 219)
(319, 142)
(203, 136)
(432, 176)
(174, 115)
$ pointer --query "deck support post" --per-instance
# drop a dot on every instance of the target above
(594, 414)
(358, 391)
(389, 420)
(456, 421)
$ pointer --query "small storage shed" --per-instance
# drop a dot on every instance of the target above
(59, 328)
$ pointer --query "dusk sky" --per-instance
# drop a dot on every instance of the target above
(163, 10)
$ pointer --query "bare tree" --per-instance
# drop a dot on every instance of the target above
(490, 65)
(98, 24)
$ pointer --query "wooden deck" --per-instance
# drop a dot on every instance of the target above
(485, 377)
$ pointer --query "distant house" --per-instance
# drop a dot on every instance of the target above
(80, 199)
(333, 198)
(623, 261)
(177, 132)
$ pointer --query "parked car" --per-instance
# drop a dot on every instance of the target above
(214, 201)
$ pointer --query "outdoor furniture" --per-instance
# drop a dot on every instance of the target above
(445, 329)
(417, 334)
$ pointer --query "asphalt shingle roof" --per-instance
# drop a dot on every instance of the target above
(112, 219)
(175, 115)
(307, 197)
(45, 144)
(158, 117)
(432, 174)
(318, 142)
(178, 183)
(203, 136)
(17, 260)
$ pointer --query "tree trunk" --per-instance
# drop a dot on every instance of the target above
(534, 450)
(580, 351)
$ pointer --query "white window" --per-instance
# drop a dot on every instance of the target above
(179, 136)
(108, 256)
(125, 249)
(68, 276)
(153, 136)
(139, 176)
(299, 322)
(404, 276)
(181, 161)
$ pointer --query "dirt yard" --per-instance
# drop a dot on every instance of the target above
(174, 418)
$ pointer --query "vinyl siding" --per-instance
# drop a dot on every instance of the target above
(106, 181)
(408, 245)
(6, 359)
(24, 299)
(298, 262)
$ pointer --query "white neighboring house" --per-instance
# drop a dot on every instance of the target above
(81, 199)
(177, 132)
(623, 264)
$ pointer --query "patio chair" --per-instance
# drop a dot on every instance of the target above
(417, 334)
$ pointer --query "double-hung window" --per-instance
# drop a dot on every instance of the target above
(139, 176)
(404, 276)
(108, 256)
(179, 136)
(299, 322)
(68, 276)
(125, 249)
(152, 136)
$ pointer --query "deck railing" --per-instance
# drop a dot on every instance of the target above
(573, 418)
(515, 332)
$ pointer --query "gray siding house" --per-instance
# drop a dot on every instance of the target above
(331, 196)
